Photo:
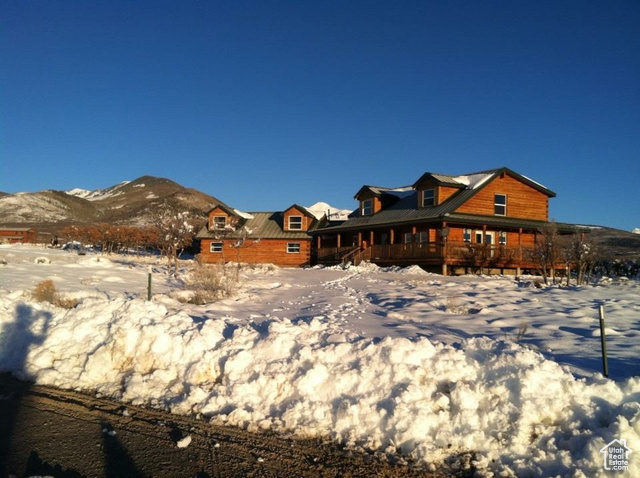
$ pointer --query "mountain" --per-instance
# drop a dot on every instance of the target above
(129, 202)
(319, 209)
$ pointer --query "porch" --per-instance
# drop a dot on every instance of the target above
(445, 256)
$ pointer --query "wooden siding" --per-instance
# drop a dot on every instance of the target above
(217, 212)
(445, 192)
(264, 251)
(376, 203)
(523, 201)
(294, 211)
(19, 235)
(442, 193)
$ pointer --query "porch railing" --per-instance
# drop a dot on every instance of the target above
(457, 252)
(327, 255)
(406, 251)
(488, 253)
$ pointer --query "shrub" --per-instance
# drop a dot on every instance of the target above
(46, 291)
(211, 282)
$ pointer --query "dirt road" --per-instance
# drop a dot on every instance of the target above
(45, 431)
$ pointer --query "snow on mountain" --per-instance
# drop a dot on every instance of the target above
(19, 206)
(79, 192)
(45, 206)
(319, 209)
(99, 194)
(636, 230)
(129, 202)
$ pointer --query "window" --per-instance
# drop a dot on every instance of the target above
(219, 222)
(406, 238)
(428, 197)
(295, 223)
(467, 235)
(293, 248)
(367, 207)
(423, 237)
(500, 205)
(502, 238)
(215, 247)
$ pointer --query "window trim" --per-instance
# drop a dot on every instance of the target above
(292, 246)
(497, 204)
(216, 223)
(502, 238)
(432, 197)
(466, 235)
(213, 245)
(290, 224)
(366, 204)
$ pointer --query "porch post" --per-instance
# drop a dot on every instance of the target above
(371, 238)
(444, 250)
(339, 240)
(319, 241)
(520, 257)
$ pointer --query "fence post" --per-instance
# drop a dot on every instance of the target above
(603, 342)
(149, 284)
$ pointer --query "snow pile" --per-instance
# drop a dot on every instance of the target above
(515, 411)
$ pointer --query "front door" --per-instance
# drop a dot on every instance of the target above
(488, 238)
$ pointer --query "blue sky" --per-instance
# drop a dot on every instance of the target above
(268, 103)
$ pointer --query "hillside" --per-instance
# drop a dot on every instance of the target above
(616, 244)
(129, 202)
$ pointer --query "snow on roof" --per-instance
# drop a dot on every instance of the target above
(535, 182)
(477, 180)
(242, 214)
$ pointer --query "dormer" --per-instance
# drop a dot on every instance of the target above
(434, 189)
(370, 199)
(221, 218)
(297, 219)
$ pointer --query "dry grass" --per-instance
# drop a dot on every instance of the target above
(46, 291)
(211, 282)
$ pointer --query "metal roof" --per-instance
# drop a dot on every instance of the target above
(262, 225)
(406, 211)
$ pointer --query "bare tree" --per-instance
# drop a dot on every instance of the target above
(176, 231)
(236, 234)
(546, 251)
(585, 255)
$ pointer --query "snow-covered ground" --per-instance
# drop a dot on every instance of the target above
(397, 361)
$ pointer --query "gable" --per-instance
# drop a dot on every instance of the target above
(297, 218)
(524, 200)
(220, 217)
